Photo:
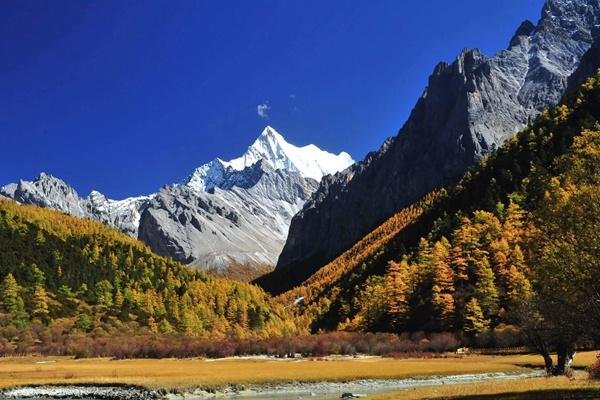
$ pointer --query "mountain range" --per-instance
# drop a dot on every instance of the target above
(468, 109)
(300, 207)
(224, 213)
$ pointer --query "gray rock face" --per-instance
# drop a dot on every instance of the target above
(590, 63)
(121, 214)
(246, 225)
(46, 191)
(468, 108)
(225, 212)
(51, 192)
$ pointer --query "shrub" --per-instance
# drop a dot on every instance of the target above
(507, 336)
(594, 370)
(443, 342)
(65, 337)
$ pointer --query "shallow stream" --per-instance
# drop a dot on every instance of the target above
(288, 391)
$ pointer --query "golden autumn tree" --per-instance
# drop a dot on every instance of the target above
(371, 305)
(399, 291)
(442, 284)
(40, 304)
(567, 251)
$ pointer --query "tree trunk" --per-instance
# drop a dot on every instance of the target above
(565, 355)
(549, 364)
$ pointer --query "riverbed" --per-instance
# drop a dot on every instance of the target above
(286, 391)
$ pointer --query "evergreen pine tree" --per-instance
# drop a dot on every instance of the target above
(485, 287)
(475, 322)
(13, 302)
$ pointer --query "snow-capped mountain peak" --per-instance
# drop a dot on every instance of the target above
(96, 196)
(207, 176)
(272, 148)
(309, 161)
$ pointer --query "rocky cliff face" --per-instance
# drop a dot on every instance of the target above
(51, 192)
(212, 230)
(226, 212)
(590, 63)
(468, 108)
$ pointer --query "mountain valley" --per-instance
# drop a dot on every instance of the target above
(460, 260)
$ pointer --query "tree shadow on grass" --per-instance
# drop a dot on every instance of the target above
(539, 367)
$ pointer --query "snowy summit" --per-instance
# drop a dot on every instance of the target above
(272, 149)
(309, 161)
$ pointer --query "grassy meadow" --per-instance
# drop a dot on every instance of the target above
(172, 374)
(553, 388)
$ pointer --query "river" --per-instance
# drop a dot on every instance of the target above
(287, 391)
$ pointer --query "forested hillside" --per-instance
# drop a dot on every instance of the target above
(471, 259)
(57, 270)
(469, 107)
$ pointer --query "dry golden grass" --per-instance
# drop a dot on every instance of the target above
(520, 389)
(189, 373)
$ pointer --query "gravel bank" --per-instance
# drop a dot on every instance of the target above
(80, 392)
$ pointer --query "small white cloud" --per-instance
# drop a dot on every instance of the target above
(263, 110)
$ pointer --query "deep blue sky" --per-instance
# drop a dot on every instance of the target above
(125, 96)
